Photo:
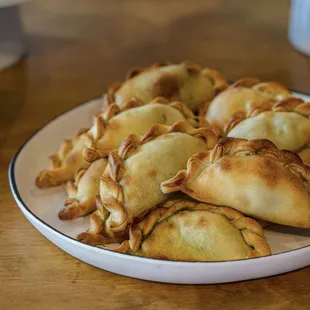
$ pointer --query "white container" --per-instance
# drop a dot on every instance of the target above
(290, 246)
(12, 43)
(299, 25)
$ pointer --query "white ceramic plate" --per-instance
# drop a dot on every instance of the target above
(290, 247)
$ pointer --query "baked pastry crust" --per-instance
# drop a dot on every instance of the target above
(94, 234)
(109, 130)
(242, 96)
(193, 231)
(251, 176)
(83, 191)
(187, 82)
(286, 124)
(130, 185)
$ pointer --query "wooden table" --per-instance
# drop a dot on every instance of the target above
(75, 49)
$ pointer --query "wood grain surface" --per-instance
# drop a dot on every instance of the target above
(75, 49)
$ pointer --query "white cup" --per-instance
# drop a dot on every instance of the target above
(12, 42)
(299, 25)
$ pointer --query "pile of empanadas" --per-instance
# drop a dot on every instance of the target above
(180, 165)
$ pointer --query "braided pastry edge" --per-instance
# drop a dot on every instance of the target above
(250, 229)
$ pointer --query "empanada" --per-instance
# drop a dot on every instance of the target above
(187, 82)
(130, 186)
(242, 96)
(191, 231)
(251, 176)
(82, 194)
(109, 130)
(286, 124)
(94, 235)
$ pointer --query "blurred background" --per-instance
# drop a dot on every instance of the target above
(75, 48)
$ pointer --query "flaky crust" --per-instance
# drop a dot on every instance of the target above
(140, 233)
(253, 177)
(244, 95)
(183, 82)
(90, 144)
(113, 185)
(290, 130)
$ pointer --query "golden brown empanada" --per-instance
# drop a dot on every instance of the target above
(187, 82)
(286, 124)
(109, 130)
(192, 231)
(253, 177)
(242, 96)
(94, 235)
(130, 186)
(82, 194)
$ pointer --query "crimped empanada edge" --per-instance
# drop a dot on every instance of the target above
(91, 153)
(272, 88)
(290, 104)
(257, 84)
(250, 230)
(219, 83)
(236, 147)
(118, 217)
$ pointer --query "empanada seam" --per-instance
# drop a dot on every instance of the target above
(260, 247)
(115, 167)
(290, 104)
(219, 82)
(235, 147)
(93, 134)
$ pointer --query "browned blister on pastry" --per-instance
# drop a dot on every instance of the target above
(242, 96)
(253, 177)
(109, 130)
(286, 124)
(184, 230)
(82, 193)
(187, 82)
(130, 186)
